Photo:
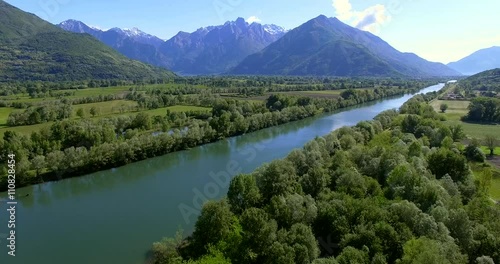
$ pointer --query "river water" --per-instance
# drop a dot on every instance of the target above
(114, 216)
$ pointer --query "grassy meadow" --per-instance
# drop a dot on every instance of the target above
(457, 109)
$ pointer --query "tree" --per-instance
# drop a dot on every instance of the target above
(443, 108)
(424, 250)
(80, 113)
(213, 225)
(243, 193)
(94, 111)
(292, 209)
(352, 255)
(491, 142)
(446, 161)
(165, 251)
(142, 121)
(277, 178)
(38, 164)
(457, 132)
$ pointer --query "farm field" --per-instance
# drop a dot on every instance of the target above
(27, 130)
(330, 94)
(107, 108)
(457, 109)
(177, 108)
(79, 93)
(4, 114)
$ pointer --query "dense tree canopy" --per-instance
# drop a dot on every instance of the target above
(384, 191)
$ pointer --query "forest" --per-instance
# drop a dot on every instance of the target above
(397, 189)
(72, 146)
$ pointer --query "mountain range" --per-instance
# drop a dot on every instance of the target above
(208, 50)
(326, 46)
(33, 49)
(479, 61)
(321, 46)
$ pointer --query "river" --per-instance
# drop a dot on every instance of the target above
(114, 216)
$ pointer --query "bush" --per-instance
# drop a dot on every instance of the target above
(473, 153)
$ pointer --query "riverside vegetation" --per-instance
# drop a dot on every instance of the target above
(68, 142)
(397, 189)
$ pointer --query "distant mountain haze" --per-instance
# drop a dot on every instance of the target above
(326, 46)
(479, 61)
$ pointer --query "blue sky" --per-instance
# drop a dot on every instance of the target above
(443, 30)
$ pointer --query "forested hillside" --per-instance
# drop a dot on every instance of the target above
(31, 49)
(397, 189)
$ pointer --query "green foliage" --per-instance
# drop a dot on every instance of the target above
(485, 82)
(384, 197)
(474, 153)
(214, 225)
(33, 49)
(491, 142)
(445, 161)
(79, 146)
(243, 193)
(424, 250)
(484, 110)
(443, 108)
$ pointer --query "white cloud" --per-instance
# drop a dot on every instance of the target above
(369, 19)
(343, 9)
(252, 19)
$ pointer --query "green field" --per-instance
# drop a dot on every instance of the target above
(107, 111)
(330, 94)
(25, 130)
(454, 107)
(79, 93)
(457, 109)
(4, 114)
(177, 108)
(107, 108)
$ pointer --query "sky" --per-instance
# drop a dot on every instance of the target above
(437, 30)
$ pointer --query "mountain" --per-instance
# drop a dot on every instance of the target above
(132, 43)
(326, 46)
(216, 49)
(33, 49)
(484, 81)
(135, 34)
(209, 50)
(481, 60)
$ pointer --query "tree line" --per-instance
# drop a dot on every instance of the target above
(397, 189)
(76, 147)
(484, 110)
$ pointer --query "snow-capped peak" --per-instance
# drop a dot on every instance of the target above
(273, 29)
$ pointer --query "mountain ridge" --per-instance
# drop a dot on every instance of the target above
(208, 50)
(35, 50)
(479, 61)
(306, 42)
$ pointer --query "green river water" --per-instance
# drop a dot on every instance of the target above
(114, 216)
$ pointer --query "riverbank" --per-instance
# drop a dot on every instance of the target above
(383, 170)
(132, 206)
(88, 157)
